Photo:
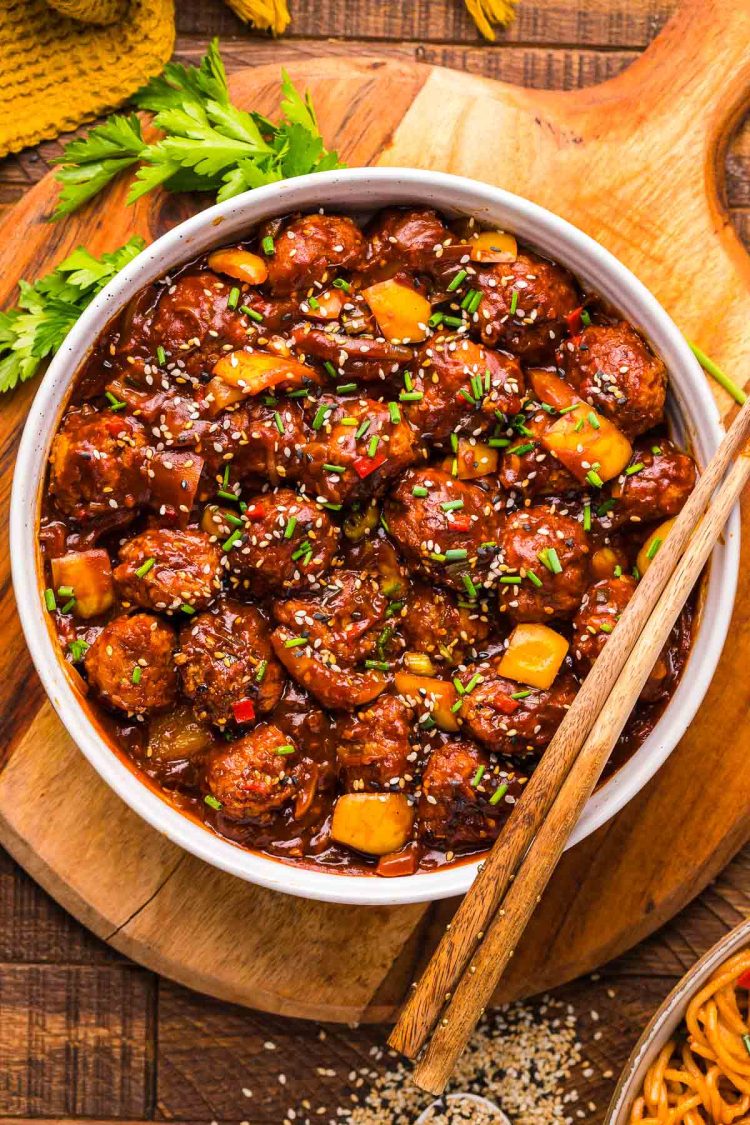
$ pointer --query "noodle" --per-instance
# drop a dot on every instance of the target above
(704, 1079)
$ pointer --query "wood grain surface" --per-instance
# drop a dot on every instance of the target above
(83, 1032)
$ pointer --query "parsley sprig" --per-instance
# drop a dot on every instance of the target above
(48, 308)
(208, 143)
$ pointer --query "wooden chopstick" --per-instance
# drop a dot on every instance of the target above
(475, 989)
(424, 1004)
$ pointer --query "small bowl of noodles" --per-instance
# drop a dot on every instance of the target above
(691, 1066)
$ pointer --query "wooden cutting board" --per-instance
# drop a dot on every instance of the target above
(636, 163)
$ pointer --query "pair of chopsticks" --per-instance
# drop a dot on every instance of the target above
(474, 951)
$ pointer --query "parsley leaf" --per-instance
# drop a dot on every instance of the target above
(207, 143)
(48, 309)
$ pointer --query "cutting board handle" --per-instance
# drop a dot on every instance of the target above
(698, 67)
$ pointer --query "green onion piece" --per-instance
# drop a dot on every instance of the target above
(320, 416)
(306, 548)
(618, 571)
(653, 548)
(279, 421)
(534, 578)
(454, 283)
(233, 521)
(346, 388)
(477, 776)
(465, 394)
(303, 392)
(435, 320)
(471, 589)
(510, 579)
(578, 426)
(716, 373)
(234, 298)
(458, 685)
(455, 554)
(144, 568)
(457, 706)
(452, 505)
(228, 495)
(419, 490)
(454, 442)
(585, 318)
(633, 469)
(268, 245)
(475, 679)
(498, 442)
(411, 396)
(295, 642)
(252, 313)
(594, 421)
(212, 802)
(476, 301)
(234, 538)
(427, 722)
(521, 694)
(606, 627)
(331, 507)
(525, 448)
(378, 665)
(78, 650)
(372, 448)
(65, 592)
(49, 600)
(114, 402)
(330, 369)
(499, 793)
(607, 506)
(568, 409)
(362, 429)
(137, 673)
(161, 356)
(188, 610)
(453, 321)
(554, 561)
(286, 749)
(746, 1041)
(336, 469)
(594, 479)
(636, 573)
(587, 517)
(313, 303)
(514, 302)
(339, 283)
(656, 450)
(395, 413)
(466, 303)
(291, 523)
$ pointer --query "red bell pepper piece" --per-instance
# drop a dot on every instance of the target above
(363, 466)
(459, 523)
(243, 711)
(254, 512)
(573, 320)
(505, 705)
(743, 980)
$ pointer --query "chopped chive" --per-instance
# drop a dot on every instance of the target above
(330, 369)
(633, 469)
(521, 694)
(408, 381)
(234, 297)
(469, 397)
(453, 321)
(514, 302)
(261, 671)
(578, 426)
(279, 421)
(594, 421)
(471, 589)
(569, 409)
(656, 450)
(454, 442)
(252, 313)
(144, 568)
(320, 416)
(458, 685)
(339, 283)
(435, 320)
(456, 554)
(457, 706)
(337, 469)
(475, 302)
(587, 516)
(436, 556)
(137, 673)
(525, 448)
(411, 396)
(303, 392)
(346, 388)
(286, 749)
(362, 429)
(295, 642)
(466, 303)
(498, 442)
(291, 523)
(65, 592)
(452, 505)
(454, 283)
(161, 356)
(212, 802)
(234, 538)
(534, 578)
(305, 549)
(653, 548)
(378, 665)
(268, 245)
(114, 402)
(395, 413)
(554, 560)
(331, 507)
(475, 679)
(49, 600)
(716, 373)
(68, 606)
(594, 479)
(478, 776)
(222, 492)
(499, 793)
(510, 579)
(372, 448)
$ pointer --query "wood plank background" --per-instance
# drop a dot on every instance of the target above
(83, 1032)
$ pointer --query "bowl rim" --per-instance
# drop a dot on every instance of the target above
(360, 189)
(667, 1017)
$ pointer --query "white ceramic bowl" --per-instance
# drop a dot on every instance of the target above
(664, 1024)
(694, 414)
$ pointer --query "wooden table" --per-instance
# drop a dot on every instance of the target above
(84, 1033)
